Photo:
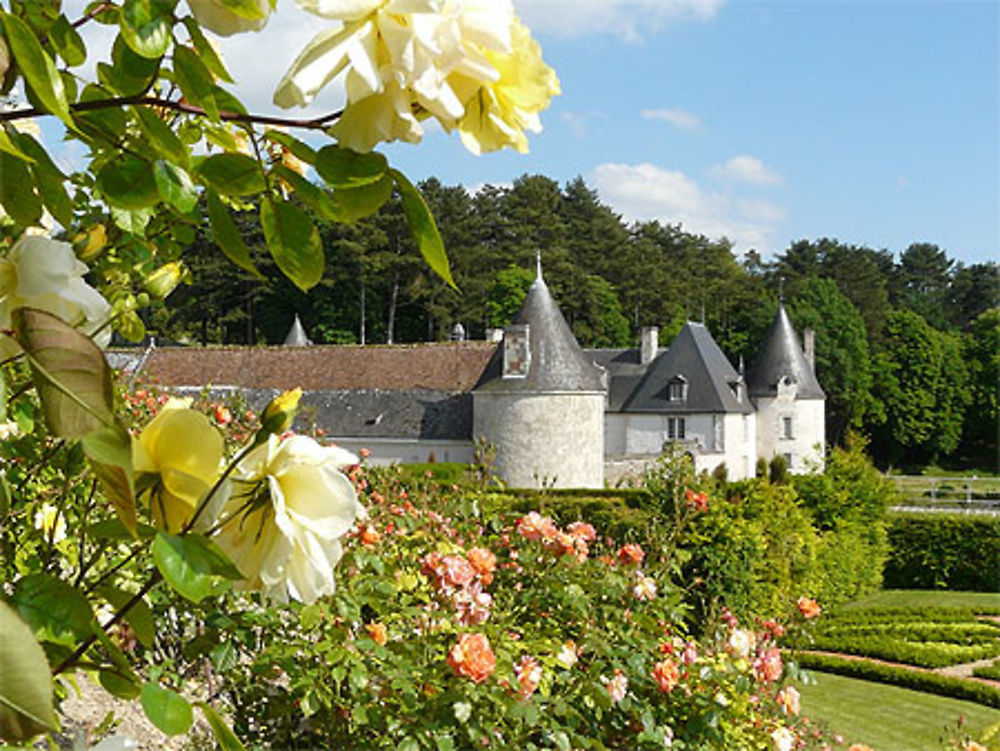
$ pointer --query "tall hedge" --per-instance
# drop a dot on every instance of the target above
(943, 551)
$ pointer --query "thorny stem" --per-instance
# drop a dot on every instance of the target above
(317, 123)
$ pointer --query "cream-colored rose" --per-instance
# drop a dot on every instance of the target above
(50, 522)
(741, 643)
(216, 16)
(42, 273)
(182, 448)
(288, 508)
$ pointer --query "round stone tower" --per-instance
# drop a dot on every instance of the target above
(540, 402)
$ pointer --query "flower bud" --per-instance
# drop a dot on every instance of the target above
(90, 242)
(165, 279)
(280, 413)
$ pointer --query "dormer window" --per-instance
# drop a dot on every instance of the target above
(677, 389)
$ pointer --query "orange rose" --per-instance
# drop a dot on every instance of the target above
(378, 633)
(809, 607)
(484, 562)
(473, 657)
(631, 554)
(666, 675)
(370, 536)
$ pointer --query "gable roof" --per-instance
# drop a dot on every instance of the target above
(441, 366)
(557, 362)
(780, 356)
(695, 357)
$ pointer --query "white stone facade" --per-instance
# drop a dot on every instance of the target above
(544, 440)
(792, 428)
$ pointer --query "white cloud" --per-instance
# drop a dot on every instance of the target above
(577, 122)
(746, 169)
(644, 192)
(680, 118)
(628, 19)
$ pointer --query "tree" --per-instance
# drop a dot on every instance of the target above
(921, 383)
(843, 364)
(973, 290)
(981, 352)
(924, 276)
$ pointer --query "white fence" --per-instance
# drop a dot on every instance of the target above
(965, 495)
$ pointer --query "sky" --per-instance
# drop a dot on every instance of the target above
(874, 122)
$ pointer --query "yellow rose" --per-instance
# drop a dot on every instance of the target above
(183, 450)
(288, 508)
(217, 16)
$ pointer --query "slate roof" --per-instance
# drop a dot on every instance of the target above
(782, 355)
(696, 358)
(442, 366)
(557, 362)
(297, 335)
(624, 372)
(371, 413)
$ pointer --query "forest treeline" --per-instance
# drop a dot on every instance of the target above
(907, 348)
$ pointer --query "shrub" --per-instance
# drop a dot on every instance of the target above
(943, 551)
(991, 672)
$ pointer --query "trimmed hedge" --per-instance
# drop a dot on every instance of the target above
(926, 654)
(931, 683)
(943, 551)
(988, 671)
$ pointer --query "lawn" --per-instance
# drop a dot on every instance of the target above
(923, 598)
(889, 718)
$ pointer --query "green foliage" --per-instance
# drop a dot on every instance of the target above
(932, 683)
(990, 672)
(943, 551)
(25, 685)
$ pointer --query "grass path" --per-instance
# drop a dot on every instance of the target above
(889, 718)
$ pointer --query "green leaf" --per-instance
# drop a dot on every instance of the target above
(109, 450)
(224, 656)
(38, 68)
(408, 744)
(309, 193)
(118, 685)
(8, 146)
(17, 191)
(129, 74)
(145, 26)
(344, 168)
(68, 42)
(56, 611)
(50, 179)
(206, 51)
(195, 80)
(128, 182)
(175, 186)
(193, 565)
(223, 734)
(139, 616)
(232, 174)
(71, 376)
(113, 529)
(358, 203)
(134, 222)
(169, 711)
(161, 136)
(227, 236)
(294, 243)
(424, 230)
(25, 682)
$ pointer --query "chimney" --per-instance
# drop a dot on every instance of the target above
(649, 344)
(809, 344)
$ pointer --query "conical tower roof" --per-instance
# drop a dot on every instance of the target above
(780, 356)
(557, 362)
(297, 335)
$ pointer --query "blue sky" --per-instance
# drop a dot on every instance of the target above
(874, 122)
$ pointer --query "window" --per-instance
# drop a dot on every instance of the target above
(677, 389)
(675, 428)
(786, 427)
(788, 460)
